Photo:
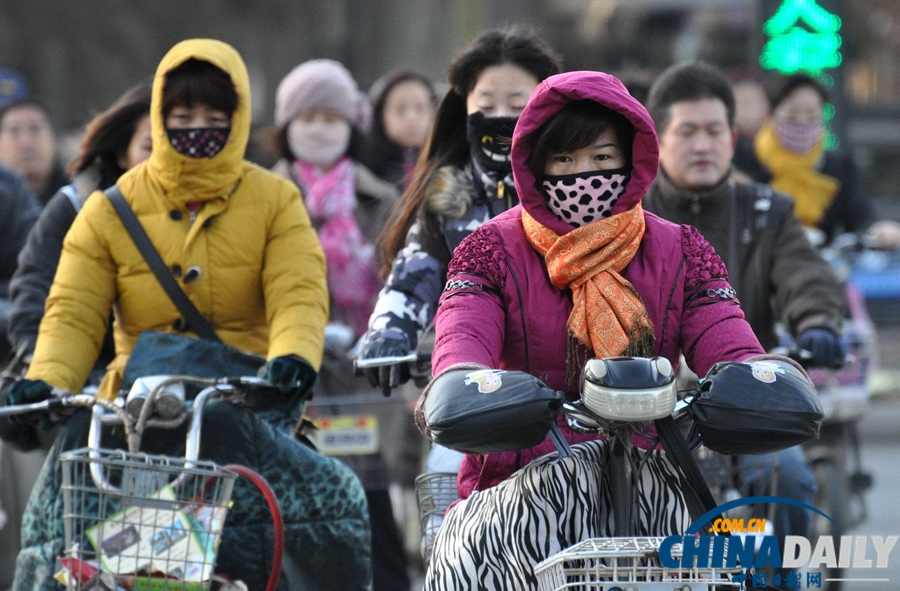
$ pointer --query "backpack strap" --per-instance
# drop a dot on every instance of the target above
(72, 195)
(187, 308)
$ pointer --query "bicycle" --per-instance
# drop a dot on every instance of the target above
(366, 423)
(135, 520)
(523, 531)
(434, 491)
(620, 400)
(625, 561)
(868, 274)
(836, 457)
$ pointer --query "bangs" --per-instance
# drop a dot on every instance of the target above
(576, 126)
(198, 82)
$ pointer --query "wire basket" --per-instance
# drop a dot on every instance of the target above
(157, 529)
(604, 564)
(435, 491)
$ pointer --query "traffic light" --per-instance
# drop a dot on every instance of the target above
(801, 36)
(804, 36)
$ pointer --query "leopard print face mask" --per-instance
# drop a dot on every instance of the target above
(585, 197)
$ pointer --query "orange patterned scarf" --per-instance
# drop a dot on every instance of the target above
(608, 315)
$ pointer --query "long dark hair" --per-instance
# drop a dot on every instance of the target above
(447, 145)
(107, 136)
(382, 150)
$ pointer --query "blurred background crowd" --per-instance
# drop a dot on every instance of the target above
(77, 58)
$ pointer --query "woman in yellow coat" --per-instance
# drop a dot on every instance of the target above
(239, 241)
(237, 237)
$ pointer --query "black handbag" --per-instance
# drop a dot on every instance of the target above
(167, 353)
(756, 407)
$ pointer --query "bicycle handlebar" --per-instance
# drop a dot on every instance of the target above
(805, 357)
(60, 399)
(795, 353)
(411, 358)
(134, 427)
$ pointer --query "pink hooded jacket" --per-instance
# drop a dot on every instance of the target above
(499, 308)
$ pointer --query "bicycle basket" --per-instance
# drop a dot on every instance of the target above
(158, 529)
(435, 491)
(603, 564)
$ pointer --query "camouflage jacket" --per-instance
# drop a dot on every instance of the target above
(456, 203)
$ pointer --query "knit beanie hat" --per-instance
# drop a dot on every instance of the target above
(321, 84)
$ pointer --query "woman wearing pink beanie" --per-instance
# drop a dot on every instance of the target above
(321, 117)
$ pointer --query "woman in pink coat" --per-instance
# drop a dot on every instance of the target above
(577, 271)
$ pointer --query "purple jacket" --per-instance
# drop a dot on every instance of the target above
(499, 308)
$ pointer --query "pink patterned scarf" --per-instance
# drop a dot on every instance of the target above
(353, 279)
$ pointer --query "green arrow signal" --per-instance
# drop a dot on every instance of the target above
(803, 38)
(816, 18)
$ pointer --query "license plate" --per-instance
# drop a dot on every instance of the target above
(347, 435)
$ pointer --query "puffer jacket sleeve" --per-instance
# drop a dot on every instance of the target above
(38, 260)
(294, 284)
(713, 327)
(410, 295)
(470, 325)
(80, 300)
(806, 289)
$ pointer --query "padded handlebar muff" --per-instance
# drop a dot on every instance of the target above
(756, 407)
(482, 411)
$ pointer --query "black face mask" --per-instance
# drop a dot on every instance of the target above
(490, 140)
(199, 142)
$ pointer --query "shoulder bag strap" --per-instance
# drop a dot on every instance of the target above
(190, 312)
(696, 492)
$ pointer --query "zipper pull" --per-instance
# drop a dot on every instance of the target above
(695, 205)
(500, 189)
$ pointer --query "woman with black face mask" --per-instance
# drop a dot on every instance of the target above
(239, 242)
(462, 180)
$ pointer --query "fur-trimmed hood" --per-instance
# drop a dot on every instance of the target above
(450, 193)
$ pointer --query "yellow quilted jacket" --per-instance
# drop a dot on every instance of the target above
(261, 281)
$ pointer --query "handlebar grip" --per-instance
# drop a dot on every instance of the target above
(389, 361)
(59, 399)
(801, 356)
(20, 409)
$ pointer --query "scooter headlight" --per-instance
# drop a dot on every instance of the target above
(629, 389)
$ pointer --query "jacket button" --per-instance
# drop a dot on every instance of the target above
(192, 274)
(180, 325)
(176, 270)
(175, 215)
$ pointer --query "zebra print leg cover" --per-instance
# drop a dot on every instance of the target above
(495, 538)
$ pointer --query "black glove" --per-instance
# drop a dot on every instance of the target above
(825, 346)
(386, 343)
(28, 392)
(290, 372)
